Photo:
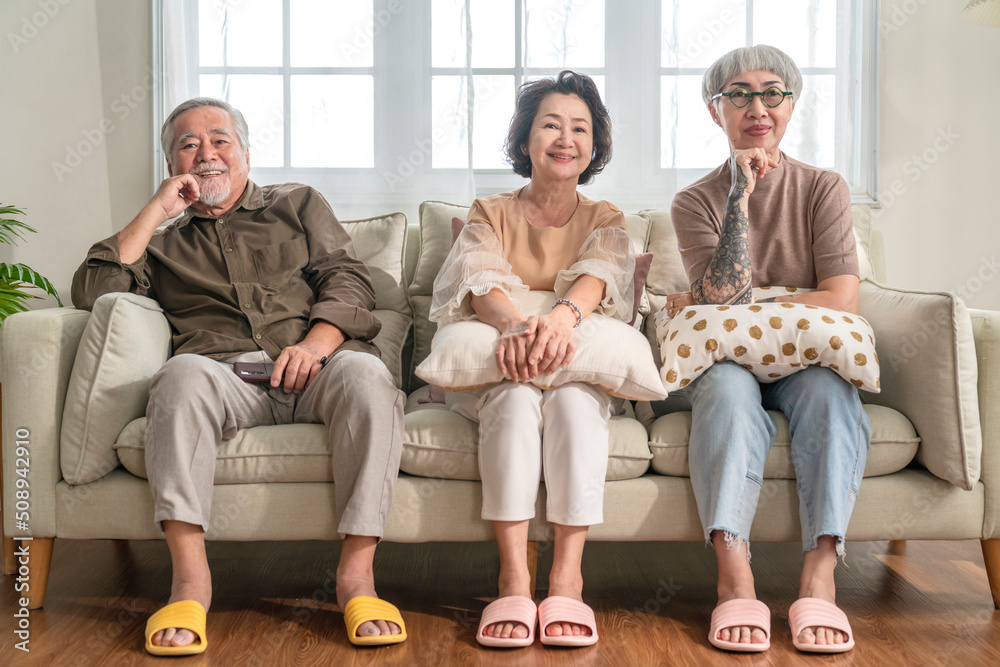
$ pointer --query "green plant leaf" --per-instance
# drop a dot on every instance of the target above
(12, 300)
(13, 276)
(10, 229)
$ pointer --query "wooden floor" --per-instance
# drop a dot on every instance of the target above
(274, 605)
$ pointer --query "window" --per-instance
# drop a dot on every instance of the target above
(823, 37)
(385, 103)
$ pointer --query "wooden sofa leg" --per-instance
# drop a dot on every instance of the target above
(39, 560)
(8, 554)
(991, 555)
(9, 567)
(533, 565)
(897, 547)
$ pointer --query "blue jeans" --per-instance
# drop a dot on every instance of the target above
(731, 434)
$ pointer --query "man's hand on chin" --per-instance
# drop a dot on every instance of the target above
(176, 193)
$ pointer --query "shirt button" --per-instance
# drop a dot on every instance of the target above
(257, 336)
(229, 249)
(247, 306)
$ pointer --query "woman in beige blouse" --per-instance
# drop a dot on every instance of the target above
(544, 236)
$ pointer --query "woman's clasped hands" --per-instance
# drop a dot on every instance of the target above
(536, 346)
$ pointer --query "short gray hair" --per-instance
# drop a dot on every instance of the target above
(239, 123)
(748, 59)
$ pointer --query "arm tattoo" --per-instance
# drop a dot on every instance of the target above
(727, 279)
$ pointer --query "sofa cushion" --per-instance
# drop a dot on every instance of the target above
(126, 340)
(893, 444)
(929, 373)
(442, 444)
(463, 356)
(666, 275)
(437, 443)
(435, 242)
(390, 341)
(771, 340)
(638, 231)
(380, 243)
(285, 453)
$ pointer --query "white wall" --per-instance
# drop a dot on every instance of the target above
(77, 120)
(940, 150)
(88, 65)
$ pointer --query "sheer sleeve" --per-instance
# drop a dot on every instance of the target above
(475, 265)
(607, 255)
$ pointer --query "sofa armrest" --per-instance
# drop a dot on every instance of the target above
(986, 329)
(927, 359)
(38, 350)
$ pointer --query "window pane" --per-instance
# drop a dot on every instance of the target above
(689, 139)
(806, 31)
(810, 136)
(333, 121)
(564, 33)
(332, 34)
(259, 99)
(695, 34)
(492, 33)
(246, 29)
(494, 105)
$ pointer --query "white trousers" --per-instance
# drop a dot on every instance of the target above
(525, 431)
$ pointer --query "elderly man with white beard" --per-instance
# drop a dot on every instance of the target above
(252, 274)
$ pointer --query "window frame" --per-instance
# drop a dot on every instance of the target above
(404, 176)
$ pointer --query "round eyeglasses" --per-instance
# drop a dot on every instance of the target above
(741, 97)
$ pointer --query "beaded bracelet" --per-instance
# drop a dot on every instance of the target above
(579, 315)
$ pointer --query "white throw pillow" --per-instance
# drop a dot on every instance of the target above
(126, 341)
(771, 340)
(610, 354)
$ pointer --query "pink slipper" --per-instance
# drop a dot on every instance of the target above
(814, 612)
(513, 609)
(736, 613)
(559, 609)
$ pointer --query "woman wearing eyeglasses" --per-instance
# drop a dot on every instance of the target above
(763, 218)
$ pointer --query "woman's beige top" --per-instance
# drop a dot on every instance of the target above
(500, 249)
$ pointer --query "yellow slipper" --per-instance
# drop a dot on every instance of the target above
(186, 614)
(362, 609)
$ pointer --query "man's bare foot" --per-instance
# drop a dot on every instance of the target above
(567, 584)
(511, 583)
(349, 588)
(191, 579)
(817, 582)
(356, 578)
(735, 583)
(199, 591)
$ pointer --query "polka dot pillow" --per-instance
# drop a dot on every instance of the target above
(771, 340)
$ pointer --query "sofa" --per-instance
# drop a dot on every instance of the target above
(75, 383)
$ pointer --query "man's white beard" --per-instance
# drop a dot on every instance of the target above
(214, 192)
